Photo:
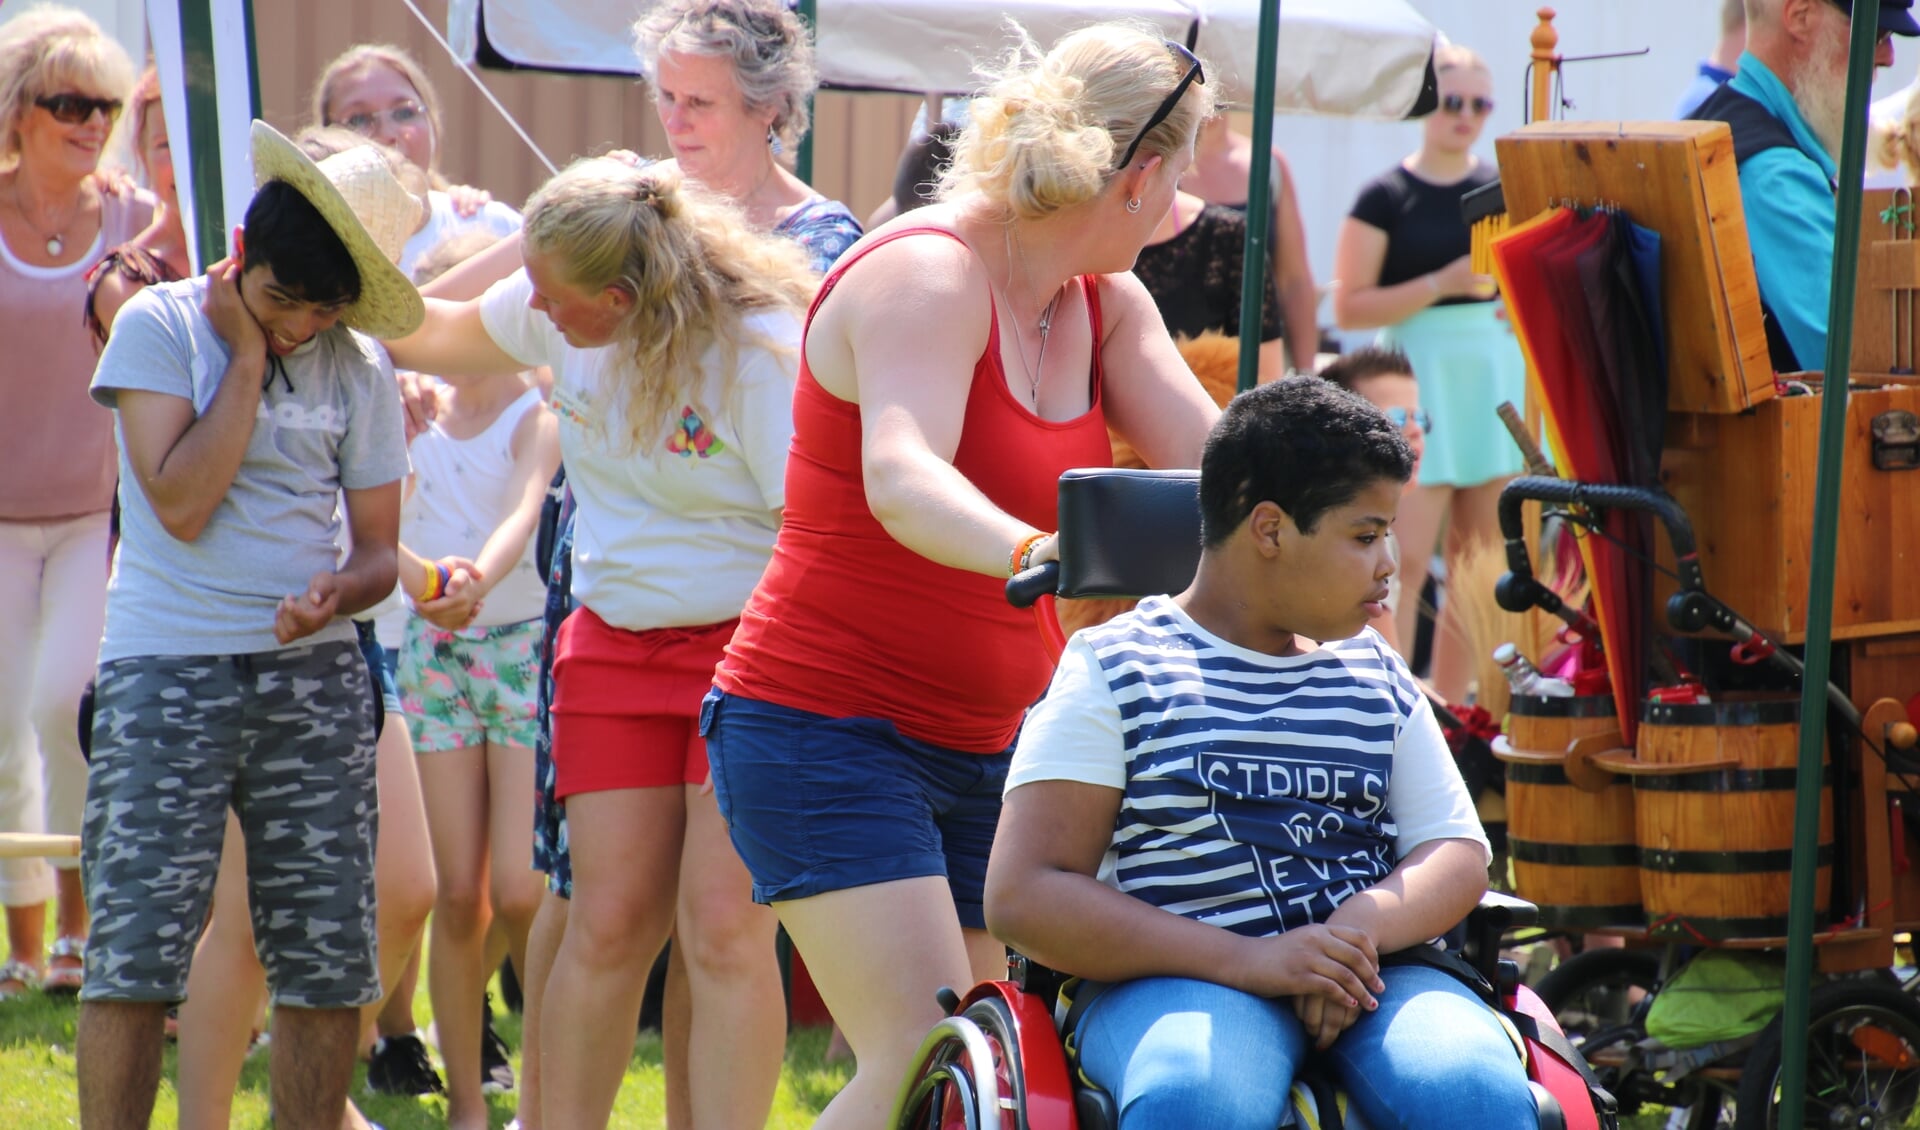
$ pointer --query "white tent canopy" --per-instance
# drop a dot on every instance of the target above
(1365, 58)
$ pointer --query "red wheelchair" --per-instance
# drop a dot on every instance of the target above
(998, 1060)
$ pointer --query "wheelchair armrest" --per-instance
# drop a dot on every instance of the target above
(1486, 923)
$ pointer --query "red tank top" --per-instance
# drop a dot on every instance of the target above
(847, 622)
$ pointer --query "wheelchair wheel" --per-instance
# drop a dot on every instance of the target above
(967, 1075)
(1863, 1061)
(1599, 989)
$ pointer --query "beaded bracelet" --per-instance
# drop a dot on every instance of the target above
(1022, 554)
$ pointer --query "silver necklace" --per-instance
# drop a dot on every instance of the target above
(56, 243)
(1037, 370)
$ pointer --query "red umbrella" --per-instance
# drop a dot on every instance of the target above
(1538, 267)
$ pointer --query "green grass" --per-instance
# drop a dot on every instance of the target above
(37, 1078)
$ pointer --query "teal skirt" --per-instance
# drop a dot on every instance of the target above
(1467, 361)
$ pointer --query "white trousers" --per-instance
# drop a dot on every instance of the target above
(53, 602)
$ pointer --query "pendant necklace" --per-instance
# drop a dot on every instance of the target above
(56, 243)
(1038, 369)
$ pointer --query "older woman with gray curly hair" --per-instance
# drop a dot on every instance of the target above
(731, 79)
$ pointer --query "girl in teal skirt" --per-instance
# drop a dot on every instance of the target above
(1403, 267)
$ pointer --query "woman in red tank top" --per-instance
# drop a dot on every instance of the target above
(953, 367)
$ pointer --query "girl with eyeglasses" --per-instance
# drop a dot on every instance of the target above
(384, 93)
(62, 86)
(1403, 268)
(959, 358)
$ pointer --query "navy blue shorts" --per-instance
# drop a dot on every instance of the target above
(817, 804)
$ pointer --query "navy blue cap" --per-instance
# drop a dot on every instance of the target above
(1896, 16)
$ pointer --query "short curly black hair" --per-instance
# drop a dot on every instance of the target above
(1301, 443)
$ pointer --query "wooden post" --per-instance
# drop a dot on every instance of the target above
(1546, 42)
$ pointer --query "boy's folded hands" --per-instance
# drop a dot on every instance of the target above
(1332, 972)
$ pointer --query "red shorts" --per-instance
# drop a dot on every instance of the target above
(626, 705)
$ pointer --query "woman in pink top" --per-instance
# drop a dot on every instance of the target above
(62, 85)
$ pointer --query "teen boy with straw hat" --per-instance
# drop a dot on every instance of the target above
(246, 402)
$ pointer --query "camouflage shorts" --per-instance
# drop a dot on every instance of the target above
(286, 739)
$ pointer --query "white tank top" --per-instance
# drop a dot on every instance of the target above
(460, 497)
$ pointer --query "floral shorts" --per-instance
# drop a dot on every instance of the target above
(472, 686)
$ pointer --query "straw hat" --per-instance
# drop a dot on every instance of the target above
(359, 197)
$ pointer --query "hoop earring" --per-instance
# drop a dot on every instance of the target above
(1133, 205)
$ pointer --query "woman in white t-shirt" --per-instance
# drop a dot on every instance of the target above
(673, 331)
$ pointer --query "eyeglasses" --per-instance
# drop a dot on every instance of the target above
(1194, 74)
(401, 116)
(1455, 103)
(75, 109)
(1399, 417)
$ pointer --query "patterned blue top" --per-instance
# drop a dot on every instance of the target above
(1258, 791)
(825, 228)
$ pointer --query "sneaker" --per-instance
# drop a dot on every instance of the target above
(400, 1066)
(496, 1073)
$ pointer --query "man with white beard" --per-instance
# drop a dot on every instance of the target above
(1787, 108)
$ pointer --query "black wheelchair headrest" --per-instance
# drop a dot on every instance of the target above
(1127, 532)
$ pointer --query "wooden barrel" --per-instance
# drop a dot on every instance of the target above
(1573, 850)
(1716, 833)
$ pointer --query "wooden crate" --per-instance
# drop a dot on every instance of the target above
(1747, 483)
(1886, 304)
(1678, 179)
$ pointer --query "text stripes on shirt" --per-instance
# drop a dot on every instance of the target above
(1256, 795)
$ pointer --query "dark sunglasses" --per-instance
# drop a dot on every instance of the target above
(1454, 103)
(1194, 74)
(75, 109)
(1398, 417)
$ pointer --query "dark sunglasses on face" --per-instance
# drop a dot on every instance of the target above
(1398, 417)
(1194, 74)
(75, 109)
(1454, 103)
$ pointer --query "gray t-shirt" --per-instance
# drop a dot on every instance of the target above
(339, 427)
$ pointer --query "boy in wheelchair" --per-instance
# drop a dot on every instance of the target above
(1234, 806)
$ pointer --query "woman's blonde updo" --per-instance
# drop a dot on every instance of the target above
(692, 264)
(48, 49)
(1047, 131)
(771, 53)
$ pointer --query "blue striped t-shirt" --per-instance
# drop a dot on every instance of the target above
(1258, 791)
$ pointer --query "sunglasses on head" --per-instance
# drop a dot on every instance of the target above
(75, 109)
(1194, 74)
(1455, 103)
(1399, 417)
(405, 114)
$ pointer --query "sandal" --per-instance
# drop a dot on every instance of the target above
(17, 979)
(66, 967)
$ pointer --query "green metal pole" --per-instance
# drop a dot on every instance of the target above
(203, 120)
(1253, 278)
(1794, 1017)
(803, 160)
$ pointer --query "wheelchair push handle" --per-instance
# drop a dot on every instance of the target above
(1025, 588)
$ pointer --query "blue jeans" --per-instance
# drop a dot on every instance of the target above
(1180, 1053)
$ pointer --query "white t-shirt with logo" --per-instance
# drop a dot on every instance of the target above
(330, 422)
(677, 532)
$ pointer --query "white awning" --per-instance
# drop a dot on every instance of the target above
(1365, 58)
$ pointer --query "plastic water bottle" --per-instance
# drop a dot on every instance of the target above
(1524, 678)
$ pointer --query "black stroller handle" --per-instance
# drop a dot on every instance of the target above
(1691, 609)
